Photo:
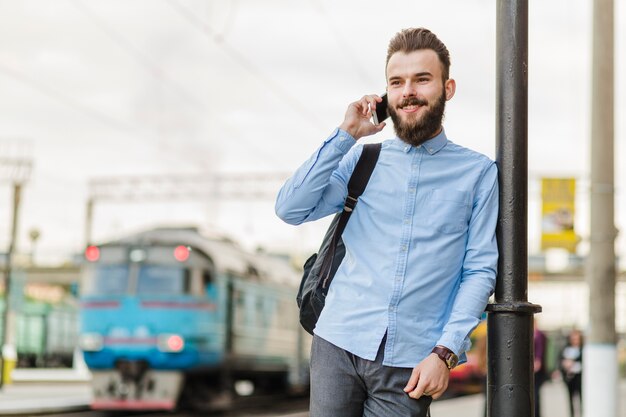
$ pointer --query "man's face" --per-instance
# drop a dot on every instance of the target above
(417, 94)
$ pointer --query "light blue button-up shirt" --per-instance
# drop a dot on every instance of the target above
(421, 253)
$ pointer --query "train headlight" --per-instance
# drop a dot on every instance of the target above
(92, 253)
(181, 253)
(170, 343)
(137, 255)
(91, 342)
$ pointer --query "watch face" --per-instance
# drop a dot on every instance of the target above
(447, 356)
(452, 361)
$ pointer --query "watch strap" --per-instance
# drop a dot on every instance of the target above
(446, 355)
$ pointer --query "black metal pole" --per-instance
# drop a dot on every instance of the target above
(510, 319)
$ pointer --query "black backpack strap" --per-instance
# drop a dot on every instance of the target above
(358, 181)
(361, 175)
(356, 185)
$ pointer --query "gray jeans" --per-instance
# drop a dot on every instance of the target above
(344, 385)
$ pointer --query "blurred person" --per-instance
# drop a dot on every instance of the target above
(571, 369)
(421, 253)
(539, 364)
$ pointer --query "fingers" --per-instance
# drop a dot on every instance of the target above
(357, 118)
(430, 377)
(422, 387)
(437, 391)
(368, 103)
(412, 383)
(432, 389)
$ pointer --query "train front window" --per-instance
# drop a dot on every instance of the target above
(162, 280)
(110, 280)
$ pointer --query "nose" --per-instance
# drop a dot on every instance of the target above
(408, 90)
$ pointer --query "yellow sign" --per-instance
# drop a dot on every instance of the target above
(558, 197)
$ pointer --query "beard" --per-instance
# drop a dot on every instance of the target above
(419, 131)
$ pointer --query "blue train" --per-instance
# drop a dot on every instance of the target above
(170, 317)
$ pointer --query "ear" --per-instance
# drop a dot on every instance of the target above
(450, 87)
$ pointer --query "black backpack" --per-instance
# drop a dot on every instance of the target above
(320, 268)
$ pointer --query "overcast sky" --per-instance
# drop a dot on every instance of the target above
(156, 87)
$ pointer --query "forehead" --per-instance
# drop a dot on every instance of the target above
(404, 65)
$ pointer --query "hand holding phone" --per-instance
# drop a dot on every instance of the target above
(381, 112)
(358, 118)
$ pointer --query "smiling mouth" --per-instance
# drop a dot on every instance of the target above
(412, 104)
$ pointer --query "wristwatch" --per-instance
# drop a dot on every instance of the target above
(447, 356)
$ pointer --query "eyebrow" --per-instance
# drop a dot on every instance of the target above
(419, 74)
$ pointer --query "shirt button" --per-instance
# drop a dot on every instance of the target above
(412, 190)
(407, 221)
(403, 248)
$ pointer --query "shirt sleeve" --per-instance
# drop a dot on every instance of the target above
(478, 277)
(319, 187)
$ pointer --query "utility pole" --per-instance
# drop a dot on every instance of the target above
(600, 370)
(8, 317)
(17, 171)
(510, 319)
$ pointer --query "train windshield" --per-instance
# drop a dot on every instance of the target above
(162, 280)
(111, 280)
(117, 280)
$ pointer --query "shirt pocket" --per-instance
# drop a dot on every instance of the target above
(448, 210)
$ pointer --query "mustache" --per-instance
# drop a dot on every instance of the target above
(413, 101)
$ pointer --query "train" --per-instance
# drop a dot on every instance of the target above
(173, 317)
(45, 333)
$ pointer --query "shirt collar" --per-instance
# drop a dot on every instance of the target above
(432, 146)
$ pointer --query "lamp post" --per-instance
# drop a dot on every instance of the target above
(510, 318)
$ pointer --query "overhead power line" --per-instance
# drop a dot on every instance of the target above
(154, 69)
(66, 100)
(347, 51)
(93, 114)
(143, 59)
(244, 62)
(111, 122)
(228, 21)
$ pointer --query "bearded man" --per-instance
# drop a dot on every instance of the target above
(421, 253)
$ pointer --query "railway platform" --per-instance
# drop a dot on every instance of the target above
(554, 403)
(39, 392)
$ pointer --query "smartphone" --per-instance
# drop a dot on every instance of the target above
(381, 112)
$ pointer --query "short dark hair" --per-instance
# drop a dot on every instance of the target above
(414, 39)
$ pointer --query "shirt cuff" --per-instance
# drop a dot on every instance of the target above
(342, 140)
(458, 346)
